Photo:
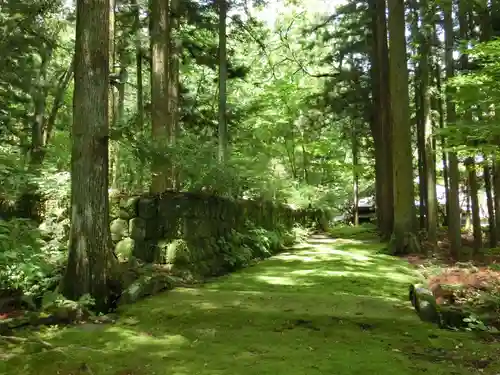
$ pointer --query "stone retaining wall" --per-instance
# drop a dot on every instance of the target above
(192, 229)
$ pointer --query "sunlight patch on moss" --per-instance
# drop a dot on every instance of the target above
(356, 256)
(368, 296)
(207, 306)
(205, 291)
(395, 276)
(335, 314)
(323, 253)
(299, 246)
(300, 257)
(304, 272)
(277, 280)
(410, 273)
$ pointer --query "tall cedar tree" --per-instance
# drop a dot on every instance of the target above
(89, 240)
(404, 209)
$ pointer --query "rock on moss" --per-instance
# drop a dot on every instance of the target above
(122, 214)
(137, 228)
(146, 285)
(119, 229)
(129, 207)
(125, 248)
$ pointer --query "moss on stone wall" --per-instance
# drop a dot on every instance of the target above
(205, 234)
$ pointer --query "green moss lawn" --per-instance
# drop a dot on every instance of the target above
(333, 307)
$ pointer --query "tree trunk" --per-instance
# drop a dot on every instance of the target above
(89, 242)
(161, 130)
(444, 155)
(29, 202)
(222, 81)
(484, 19)
(39, 101)
(174, 93)
(404, 209)
(140, 90)
(120, 120)
(62, 86)
(381, 128)
(355, 174)
(429, 164)
(496, 190)
(422, 167)
(489, 202)
(463, 18)
(112, 99)
(454, 212)
(473, 191)
(468, 210)
(418, 35)
(485, 22)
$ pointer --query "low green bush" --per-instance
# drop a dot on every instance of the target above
(27, 263)
(239, 249)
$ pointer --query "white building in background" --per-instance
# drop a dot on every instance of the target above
(441, 197)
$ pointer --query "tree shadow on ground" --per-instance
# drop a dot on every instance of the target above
(316, 310)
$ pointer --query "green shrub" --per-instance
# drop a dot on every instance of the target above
(297, 234)
(240, 248)
(235, 254)
(26, 262)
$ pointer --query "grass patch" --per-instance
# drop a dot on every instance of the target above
(328, 307)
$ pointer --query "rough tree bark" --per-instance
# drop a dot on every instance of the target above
(161, 128)
(404, 240)
(444, 155)
(136, 8)
(380, 124)
(355, 173)
(454, 212)
(473, 191)
(496, 190)
(429, 164)
(174, 83)
(489, 201)
(222, 81)
(89, 243)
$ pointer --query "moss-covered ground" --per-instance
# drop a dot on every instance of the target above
(331, 306)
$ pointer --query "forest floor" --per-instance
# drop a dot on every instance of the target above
(331, 306)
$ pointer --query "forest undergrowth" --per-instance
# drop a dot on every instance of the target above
(327, 306)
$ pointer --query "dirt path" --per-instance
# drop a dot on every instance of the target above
(333, 307)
